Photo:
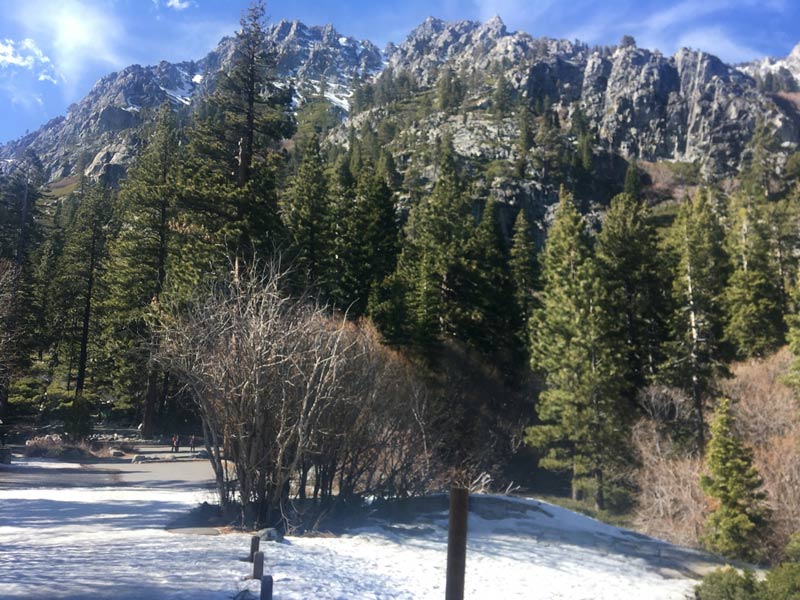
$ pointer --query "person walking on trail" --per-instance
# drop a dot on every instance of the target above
(177, 443)
(174, 443)
(191, 443)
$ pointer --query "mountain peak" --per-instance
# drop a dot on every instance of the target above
(496, 25)
(794, 55)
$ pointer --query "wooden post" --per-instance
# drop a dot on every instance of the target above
(266, 587)
(254, 541)
(258, 565)
(457, 543)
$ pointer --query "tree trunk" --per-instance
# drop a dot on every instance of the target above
(599, 495)
(87, 315)
(150, 402)
(4, 384)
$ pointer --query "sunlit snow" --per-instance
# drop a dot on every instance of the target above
(110, 542)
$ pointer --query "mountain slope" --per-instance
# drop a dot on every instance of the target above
(690, 107)
(105, 124)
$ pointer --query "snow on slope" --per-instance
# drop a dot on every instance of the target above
(110, 542)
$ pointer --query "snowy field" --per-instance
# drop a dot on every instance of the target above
(110, 542)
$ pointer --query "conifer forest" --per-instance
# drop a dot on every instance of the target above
(344, 306)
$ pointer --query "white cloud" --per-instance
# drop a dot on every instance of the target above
(20, 96)
(716, 41)
(26, 55)
(179, 4)
(684, 23)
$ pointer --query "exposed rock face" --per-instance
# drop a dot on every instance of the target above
(103, 128)
(688, 107)
(784, 71)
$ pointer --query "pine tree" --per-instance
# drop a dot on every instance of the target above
(524, 141)
(140, 258)
(488, 315)
(83, 259)
(550, 153)
(760, 166)
(234, 160)
(366, 246)
(782, 217)
(737, 525)
(449, 90)
(437, 232)
(695, 352)
(793, 340)
(583, 425)
(633, 181)
(307, 217)
(628, 258)
(502, 99)
(753, 315)
(19, 236)
(522, 264)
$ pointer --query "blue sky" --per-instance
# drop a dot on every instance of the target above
(52, 51)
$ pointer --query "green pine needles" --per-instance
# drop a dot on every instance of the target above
(738, 522)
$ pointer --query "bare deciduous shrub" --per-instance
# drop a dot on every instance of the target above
(49, 446)
(778, 463)
(292, 395)
(765, 406)
(768, 419)
(671, 504)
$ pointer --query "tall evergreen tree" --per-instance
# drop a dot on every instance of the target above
(234, 162)
(85, 253)
(524, 141)
(628, 259)
(449, 90)
(633, 180)
(488, 316)
(752, 299)
(19, 231)
(694, 353)
(432, 260)
(367, 243)
(522, 264)
(502, 99)
(307, 216)
(140, 258)
(583, 423)
(793, 340)
(738, 522)
(783, 221)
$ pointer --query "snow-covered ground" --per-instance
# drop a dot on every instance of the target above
(110, 542)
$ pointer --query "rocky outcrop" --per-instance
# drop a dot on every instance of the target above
(102, 130)
(784, 72)
(687, 107)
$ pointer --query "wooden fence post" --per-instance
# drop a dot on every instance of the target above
(457, 543)
(254, 541)
(266, 587)
(258, 565)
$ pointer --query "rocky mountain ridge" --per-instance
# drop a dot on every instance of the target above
(102, 129)
(690, 107)
(784, 71)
